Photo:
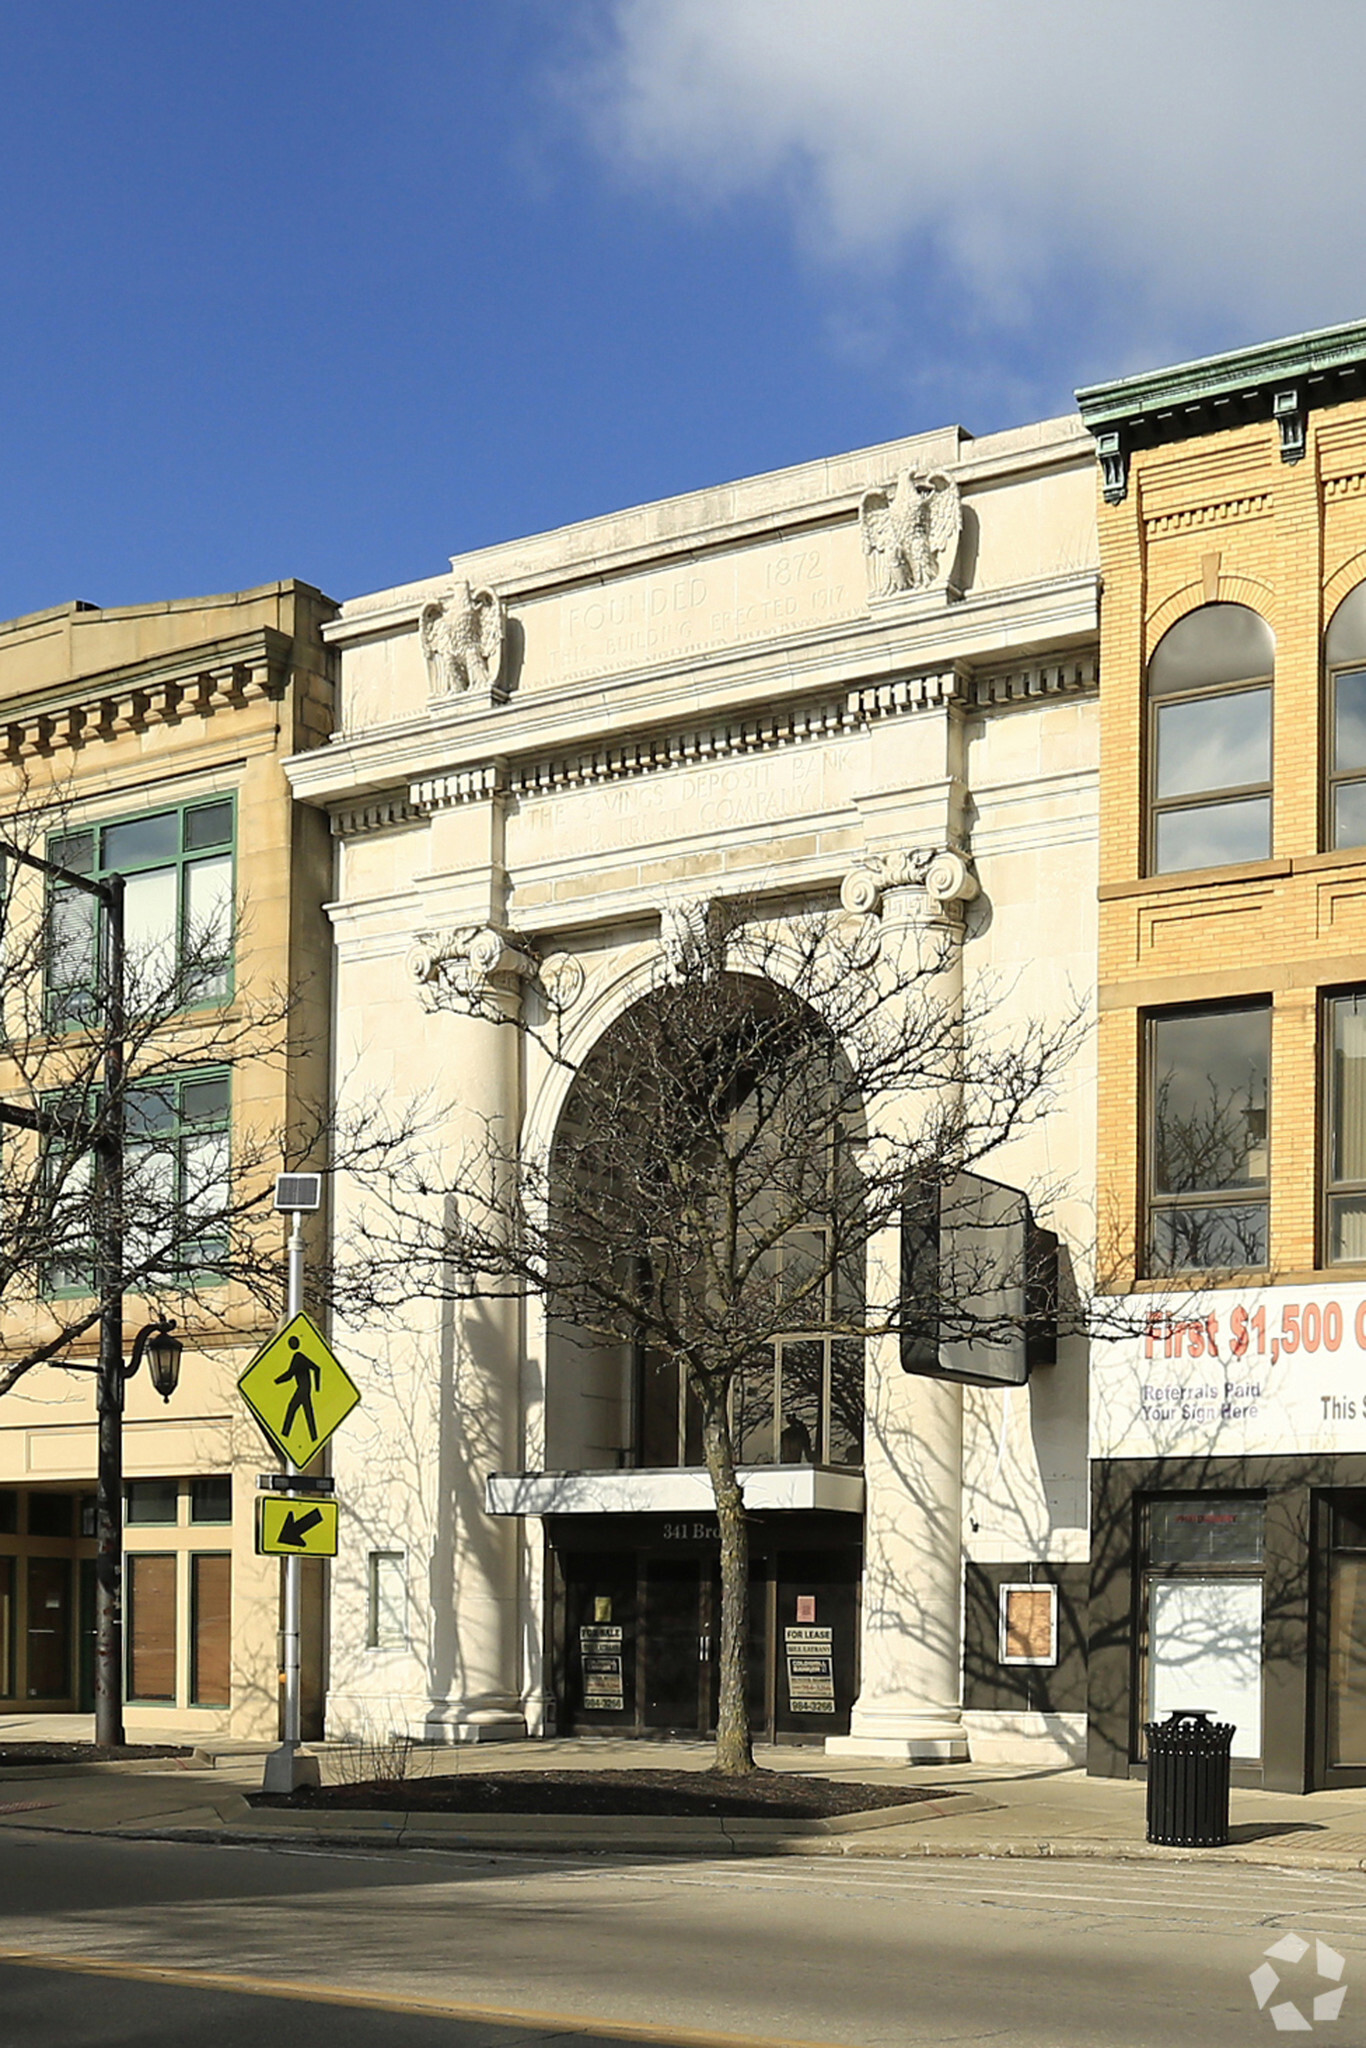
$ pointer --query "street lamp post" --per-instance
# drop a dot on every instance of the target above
(162, 1351)
(155, 1340)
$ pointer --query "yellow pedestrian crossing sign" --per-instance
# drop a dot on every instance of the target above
(295, 1528)
(298, 1390)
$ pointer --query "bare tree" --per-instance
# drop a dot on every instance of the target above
(724, 1195)
(190, 1201)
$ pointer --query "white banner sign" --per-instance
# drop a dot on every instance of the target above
(1232, 1373)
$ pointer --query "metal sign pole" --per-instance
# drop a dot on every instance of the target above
(285, 1770)
(294, 1565)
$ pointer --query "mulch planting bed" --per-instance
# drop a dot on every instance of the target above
(767, 1795)
(28, 1753)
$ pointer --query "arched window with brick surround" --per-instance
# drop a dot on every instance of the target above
(1344, 664)
(1209, 740)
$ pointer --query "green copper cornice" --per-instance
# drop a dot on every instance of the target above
(1242, 371)
(1280, 380)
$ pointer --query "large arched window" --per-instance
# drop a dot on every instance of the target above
(1209, 740)
(711, 1233)
(1344, 661)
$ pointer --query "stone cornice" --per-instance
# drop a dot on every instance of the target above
(863, 669)
(530, 779)
(161, 692)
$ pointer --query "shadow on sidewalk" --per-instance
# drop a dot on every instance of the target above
(1263, 1830)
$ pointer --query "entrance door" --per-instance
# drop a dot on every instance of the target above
(1344, 1735)
(675, 1647)
(49, 1628)
(85, 1663)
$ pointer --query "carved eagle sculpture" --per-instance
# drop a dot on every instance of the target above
(910, 531)
(462, 640)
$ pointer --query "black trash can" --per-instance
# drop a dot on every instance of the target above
(1188, 1764)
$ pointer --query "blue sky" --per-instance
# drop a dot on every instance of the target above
(339, 290)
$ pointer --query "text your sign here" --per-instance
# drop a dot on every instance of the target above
(1234, 1372)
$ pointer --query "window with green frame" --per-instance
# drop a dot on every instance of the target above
(177, 866)
(176, 1172)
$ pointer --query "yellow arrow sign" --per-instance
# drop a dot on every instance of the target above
(298, 1390)
(288, 1527)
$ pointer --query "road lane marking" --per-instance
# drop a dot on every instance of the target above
(378, 2001)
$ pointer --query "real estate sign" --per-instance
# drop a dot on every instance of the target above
(1232, 1372)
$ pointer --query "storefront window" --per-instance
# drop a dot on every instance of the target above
(1347, 1633)
(1204, 1611)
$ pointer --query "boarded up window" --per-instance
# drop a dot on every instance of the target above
(151, 1627)
(211, 1625)
(1029, 1625)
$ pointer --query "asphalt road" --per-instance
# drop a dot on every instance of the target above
(107, 1944)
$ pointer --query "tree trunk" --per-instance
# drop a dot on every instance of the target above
(734, 1745)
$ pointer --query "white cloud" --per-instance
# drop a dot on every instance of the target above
(1200, 161)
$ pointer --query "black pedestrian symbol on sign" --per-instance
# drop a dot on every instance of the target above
(307, 1378)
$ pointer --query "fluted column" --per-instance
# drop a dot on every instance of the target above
(909, 1701)
(474, 1667)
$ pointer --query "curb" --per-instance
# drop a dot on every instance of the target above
(720, 1844)
(594, 1834)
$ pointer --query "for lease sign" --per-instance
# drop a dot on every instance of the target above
(1232, 1372)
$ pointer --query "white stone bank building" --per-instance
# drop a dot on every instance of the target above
(796, 690)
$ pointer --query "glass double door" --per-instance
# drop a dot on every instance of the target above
(643, 1637)
(679, 1636)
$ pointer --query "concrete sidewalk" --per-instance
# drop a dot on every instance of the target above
(994, 1811)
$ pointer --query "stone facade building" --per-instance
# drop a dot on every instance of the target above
(796, 692)
(149, 741)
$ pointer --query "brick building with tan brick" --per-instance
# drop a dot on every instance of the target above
(1228, 1423)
